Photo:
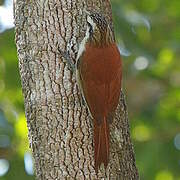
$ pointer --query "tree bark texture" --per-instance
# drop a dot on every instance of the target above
(60, 127)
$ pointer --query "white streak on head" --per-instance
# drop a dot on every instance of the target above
(83, 42)
(91, 22)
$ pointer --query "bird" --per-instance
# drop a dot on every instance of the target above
(99, 75)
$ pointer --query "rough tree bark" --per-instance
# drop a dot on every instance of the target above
(60, 128)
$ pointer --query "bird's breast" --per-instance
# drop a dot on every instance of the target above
(100, 72)
(101, 64)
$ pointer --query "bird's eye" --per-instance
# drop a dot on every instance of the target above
(90, 28)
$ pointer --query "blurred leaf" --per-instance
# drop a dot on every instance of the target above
(141, 133)
(1, 2)
(21, 127)
(21, 132)
(164, 175)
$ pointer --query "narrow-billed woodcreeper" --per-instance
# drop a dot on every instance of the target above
(99, 73)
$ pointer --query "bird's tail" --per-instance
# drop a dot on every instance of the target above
(101, 143)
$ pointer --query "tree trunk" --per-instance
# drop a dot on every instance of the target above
(60, 127)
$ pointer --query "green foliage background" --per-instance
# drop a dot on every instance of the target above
(153, 93)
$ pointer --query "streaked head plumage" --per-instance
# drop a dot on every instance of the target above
(96, 20)
(98, 29)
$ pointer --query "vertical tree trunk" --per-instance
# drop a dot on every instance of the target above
(60, 128)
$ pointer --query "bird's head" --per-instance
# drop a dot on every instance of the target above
(98, 30)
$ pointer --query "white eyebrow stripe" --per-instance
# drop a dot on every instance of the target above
(91, 22)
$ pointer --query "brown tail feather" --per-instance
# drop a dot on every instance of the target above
(101, 143)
